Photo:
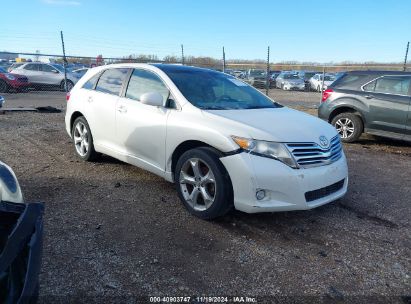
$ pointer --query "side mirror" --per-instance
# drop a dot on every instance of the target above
(55, 71)
(152, 99)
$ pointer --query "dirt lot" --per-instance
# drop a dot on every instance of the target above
(116, 232)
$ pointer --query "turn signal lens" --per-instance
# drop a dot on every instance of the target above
(68, 96)
(244, 143)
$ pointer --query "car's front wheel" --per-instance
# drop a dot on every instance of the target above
(70, 85)
(349, 126)
(203, 184)
(83, 140)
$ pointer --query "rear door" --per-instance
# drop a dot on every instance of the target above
(31, 71)
(388, 101)
(100, 106)
(408, 121)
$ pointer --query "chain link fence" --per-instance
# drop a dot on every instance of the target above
(32, 79)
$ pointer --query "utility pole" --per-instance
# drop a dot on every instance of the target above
(267, 79)
(182, 54)
(64, 61)
(223, 60)
(406, 56)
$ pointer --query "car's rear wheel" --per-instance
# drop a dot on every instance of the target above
(83, 140)
(349, 126)
(203, 183)
(3, 86)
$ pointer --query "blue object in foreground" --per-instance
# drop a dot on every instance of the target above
(21, 235)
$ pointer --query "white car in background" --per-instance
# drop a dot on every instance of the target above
(316, 82)
(223, 143)
(45, 74)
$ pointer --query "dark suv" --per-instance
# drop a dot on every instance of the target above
(375, 102)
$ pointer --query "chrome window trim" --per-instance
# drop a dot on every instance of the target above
(388, 75)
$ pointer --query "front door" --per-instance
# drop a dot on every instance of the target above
(141, 128)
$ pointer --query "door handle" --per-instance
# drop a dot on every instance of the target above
(90, 99)
(122, 109)
(369, 96)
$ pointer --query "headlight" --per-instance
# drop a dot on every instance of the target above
(10, 77)
(268, 149)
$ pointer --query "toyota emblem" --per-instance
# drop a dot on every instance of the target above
(323, 141)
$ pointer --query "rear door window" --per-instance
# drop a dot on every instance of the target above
(390, 85)
(48, 68)
(32, 67)
(111, 81)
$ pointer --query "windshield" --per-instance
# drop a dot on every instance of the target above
(329, 78)
(308, 75)
(58, 67)
(257, 73)
(291, 76)
(211, 90)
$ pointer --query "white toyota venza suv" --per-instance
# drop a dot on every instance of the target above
(222, 142)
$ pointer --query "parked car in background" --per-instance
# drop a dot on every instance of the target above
(289, 81)
(210, 134)
(306, 76)
(255, 76)
(316, 82)
(375, 102)
(21, 235)
(47, 75)
(12, 81)
(239, 74)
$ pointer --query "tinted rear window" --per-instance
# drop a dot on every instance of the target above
(111, 81)
(351, 81)
(89, 85)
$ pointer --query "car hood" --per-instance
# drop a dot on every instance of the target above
(271, 124)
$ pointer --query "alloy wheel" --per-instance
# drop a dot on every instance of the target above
(345, 127)
(81, 139)
(198, 184)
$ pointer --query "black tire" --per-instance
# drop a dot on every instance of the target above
(3, 86)
(357, 124)
(91, 154)
(223, 196)
(70, 85)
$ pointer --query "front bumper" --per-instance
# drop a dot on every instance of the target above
(16, 84)
(294, 86)
(285, 188)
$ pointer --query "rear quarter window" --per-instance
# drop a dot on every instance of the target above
(351, 81)
(89, 84)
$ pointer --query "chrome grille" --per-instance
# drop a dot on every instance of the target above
(313, 155)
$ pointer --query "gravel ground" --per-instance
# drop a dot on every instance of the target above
(114, 232)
